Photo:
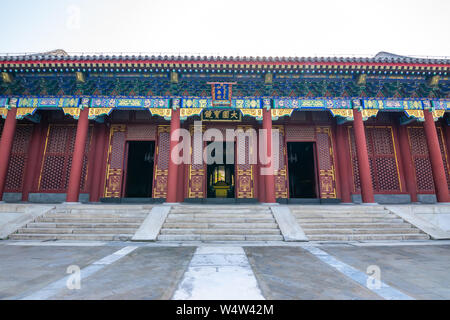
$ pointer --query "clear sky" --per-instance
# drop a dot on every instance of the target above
(227, 27)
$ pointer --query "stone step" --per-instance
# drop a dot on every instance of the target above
(209, 237)
(344, 215)
(332, 207)
(171, 219)
(199, 225)
(79, 237)
(219, 215)
(100, 213)
(368, 237)
(101, 210)
(337, 209)
(220, 207)
(90, 220)
(119, 207)
(236, 231)
(45, 230)
(220, 211)
(361, 231)
(349, 220)
(80, 231)
(82, 225)
(105, 231)
(95, 215)
(349, 225)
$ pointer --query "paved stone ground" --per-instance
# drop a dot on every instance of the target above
(294, 273)
(25, 269)
(420, 271)
(129, 270)
(146, 273)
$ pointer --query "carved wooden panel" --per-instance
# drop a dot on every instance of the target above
(196, 172)
(143, 132)
(280, 176)
(300, 133)
(245, 171)
(114, 169)
(162, 159)
(325, 162)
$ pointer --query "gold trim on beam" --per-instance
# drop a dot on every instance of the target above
(276, 113)
(74, 112)
(163, 112)
(368, 113)
(3, 112)
(255, 113)
(96, 112)
(438, 114)
(345, 113)
(188, 112)
(418, 114)
(22, 112)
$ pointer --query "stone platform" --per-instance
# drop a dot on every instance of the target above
(249, 222)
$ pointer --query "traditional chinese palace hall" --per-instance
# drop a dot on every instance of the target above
(91, 128)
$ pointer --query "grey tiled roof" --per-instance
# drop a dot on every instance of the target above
(381, 57)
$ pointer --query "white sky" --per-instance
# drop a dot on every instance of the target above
(232, 27)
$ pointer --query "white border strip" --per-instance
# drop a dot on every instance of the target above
(385, 291)
(219, 273)
(53, 288)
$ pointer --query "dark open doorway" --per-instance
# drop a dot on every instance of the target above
(140, 169)
(302, 173)
(220, 176)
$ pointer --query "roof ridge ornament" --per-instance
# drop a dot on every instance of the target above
(56, 52)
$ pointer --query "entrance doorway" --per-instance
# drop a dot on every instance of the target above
(140, 169)
(220, 174)
(302, 172)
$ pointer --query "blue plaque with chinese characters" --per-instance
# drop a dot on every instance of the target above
(221, 93)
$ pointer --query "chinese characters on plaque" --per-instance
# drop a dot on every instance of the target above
(221, 115)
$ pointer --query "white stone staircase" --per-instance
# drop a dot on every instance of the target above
(220, 223)
(353, 223)
(85, 222)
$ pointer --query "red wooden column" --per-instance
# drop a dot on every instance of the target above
(269, 178)
(437, 165)
(408, 167)
(343, 163)
(6, 143)
(363, 158)
(181, 183)
(260, 178)
(32, 166)
(172, 178)
(73, 191)
(97, 161)
(446, 128)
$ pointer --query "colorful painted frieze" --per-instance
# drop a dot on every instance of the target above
(126, 103)
(312, 104)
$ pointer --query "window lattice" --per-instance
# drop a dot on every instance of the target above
(57, 159)
(382, 159)
(18, 158)
(421, 160)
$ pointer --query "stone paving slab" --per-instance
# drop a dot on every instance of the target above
(153, 271)
(219, 273)
(146, 273)
(26, 269)
(420, 271)
(286, 273)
